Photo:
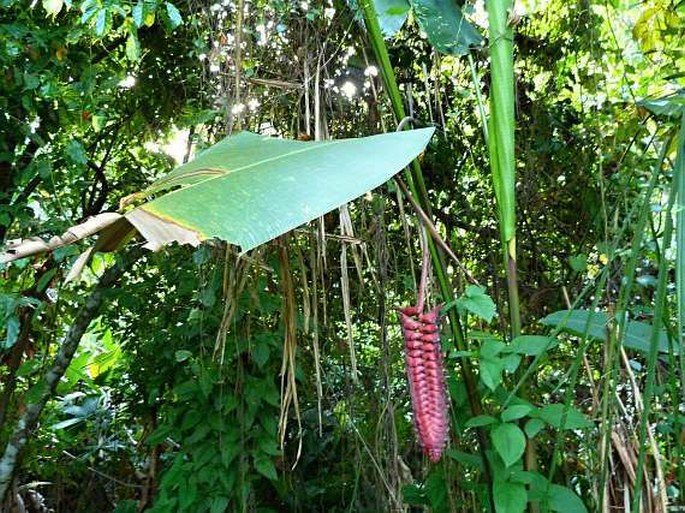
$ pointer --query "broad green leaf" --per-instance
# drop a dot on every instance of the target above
(413, 495)
(481, 420)
(552, 415)
(138, 13)
(149, 19)
(511, 362)
(491, 348)
(471, 460)
(532, 345)
(266, 468)
(533, 427)
(476, 301)
(132, 47)
(436, 490)
(101, 22)
(564, 500)
(219, 504)
(509, 497)
(391, 15)
(260, 354)
(491, 372)
(249, 189)
(637, 334)
(182, 355)
(12, 327)
(578, 262)
(515, 412)
(76, 152)
(174, 15)
(509, 442)
(668, 106)
(444, 24)
(89, 8)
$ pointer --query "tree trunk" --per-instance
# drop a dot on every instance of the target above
(29, 419)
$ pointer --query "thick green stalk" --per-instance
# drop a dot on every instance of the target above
(501, 128)
(659, 309)
(616, 329)
(501, 143)
(679, 189)
(417, 188)
(502, 123)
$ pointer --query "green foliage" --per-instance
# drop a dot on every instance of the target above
(155, 414)
(391, 15)
(269, 182)
(509, 442)
(447, 28)
(595, 324)
(474, 300)
(510, 497)
(9, 320)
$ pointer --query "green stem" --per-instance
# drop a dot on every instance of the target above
(479, 98)
(679, 178)
(416, 184)
(659, 307)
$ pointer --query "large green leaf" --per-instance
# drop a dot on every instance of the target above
(509, 497)
(578, 322)
(668, 106)
(391, 15)
(444, 24)
(564, 500)
(248, 188)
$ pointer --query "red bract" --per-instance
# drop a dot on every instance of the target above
(426, 378)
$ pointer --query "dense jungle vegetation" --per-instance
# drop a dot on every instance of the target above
(266, 371)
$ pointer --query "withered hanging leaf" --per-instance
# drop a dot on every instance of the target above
(35, 245)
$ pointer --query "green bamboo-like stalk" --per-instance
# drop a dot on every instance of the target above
(501, 127)
(659, 309)
(616, 330)
(679, 189)
(417, 187)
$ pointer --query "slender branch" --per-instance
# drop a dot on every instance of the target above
(433, 230)
(28, 421)
(102, 474)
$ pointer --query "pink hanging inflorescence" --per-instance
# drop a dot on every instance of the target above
(426, 377)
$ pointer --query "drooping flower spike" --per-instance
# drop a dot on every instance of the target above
(426, 377)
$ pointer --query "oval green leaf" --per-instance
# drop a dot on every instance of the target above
(444, 24)
(594, 324)
(509, 497)
(515, 412)
(509, 442)
(532, 345)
